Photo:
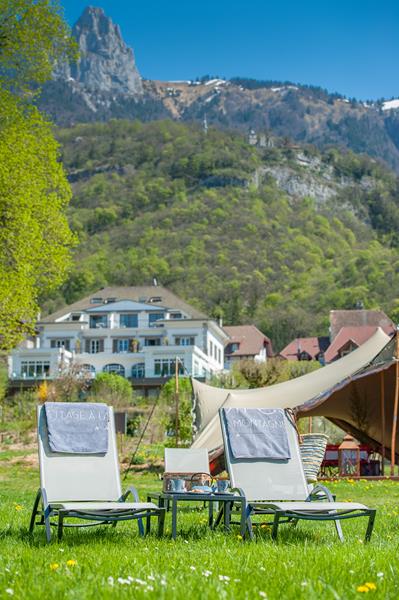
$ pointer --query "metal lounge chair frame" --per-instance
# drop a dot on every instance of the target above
(85, 487)
(279, 489)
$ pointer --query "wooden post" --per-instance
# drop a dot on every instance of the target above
(310, 425)
(382, 399)
(177, 400)
(395, 407)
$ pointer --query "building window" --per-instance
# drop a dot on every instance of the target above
(128, 320)
(154, 317)
(185, 340)
(219, 356)
(215, 352)
(115, 368)
(96, 300)
(233, 347)
(95, 346)
(164, 367)
(175, 315)
(60, 344)
(122, 346)
(35, 368)
(152, 341)
(138, 371)
(97, 321)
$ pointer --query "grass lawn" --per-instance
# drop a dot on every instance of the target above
(307, 561)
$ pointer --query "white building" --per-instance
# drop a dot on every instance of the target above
(137, 332)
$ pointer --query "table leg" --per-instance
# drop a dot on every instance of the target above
(227, 518)
(210, 513)
(148, 524)
(174, 518)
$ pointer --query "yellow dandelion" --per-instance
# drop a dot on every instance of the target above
(362, 588)
(71, 562)
(265, 526)
(239, 537)
(54, 566)
(371, 585)
(18, 507)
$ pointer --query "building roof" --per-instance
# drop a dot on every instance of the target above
(156, 295)
(359, 318)
(311, 345)
(249, 339)
(124, 305)
(355, 335)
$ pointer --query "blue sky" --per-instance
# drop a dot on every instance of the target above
(347, 46)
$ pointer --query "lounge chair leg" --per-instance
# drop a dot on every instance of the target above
(46, 517)
(60, 529)
(140, 526)
(249, 522)
(34, 511)
(370, 525)
(338, 528)
(243, 520)
(275, 525)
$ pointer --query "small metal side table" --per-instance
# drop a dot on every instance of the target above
(170, 499)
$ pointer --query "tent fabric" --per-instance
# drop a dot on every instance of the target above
(307, 394)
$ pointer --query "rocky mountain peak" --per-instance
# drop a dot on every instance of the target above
(106, 64)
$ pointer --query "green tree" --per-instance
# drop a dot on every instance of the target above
(34, 238)
(33, 37)
(112, 389)
(168, 396)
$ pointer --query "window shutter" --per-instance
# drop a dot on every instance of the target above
(101, 345)
(87, 345)
(114, 345)
(52, 344)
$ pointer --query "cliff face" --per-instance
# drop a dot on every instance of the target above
(106, 64)
(104, 77)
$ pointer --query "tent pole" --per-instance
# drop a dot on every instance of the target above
(177, 400)
(395, 408)
(382, 398)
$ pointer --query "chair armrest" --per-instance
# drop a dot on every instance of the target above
(130, 490)
(238, 491)
(321, 492)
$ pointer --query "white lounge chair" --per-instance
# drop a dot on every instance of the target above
(85, 487)
(278, 488)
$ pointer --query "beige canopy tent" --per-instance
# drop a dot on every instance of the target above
(356, 392)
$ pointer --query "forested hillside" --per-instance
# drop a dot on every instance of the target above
(209, 217)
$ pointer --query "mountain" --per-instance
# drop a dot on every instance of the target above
(276, 235)
(105, 84)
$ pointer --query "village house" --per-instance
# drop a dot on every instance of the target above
(348, 330)
(309, 348)
(246, 342)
